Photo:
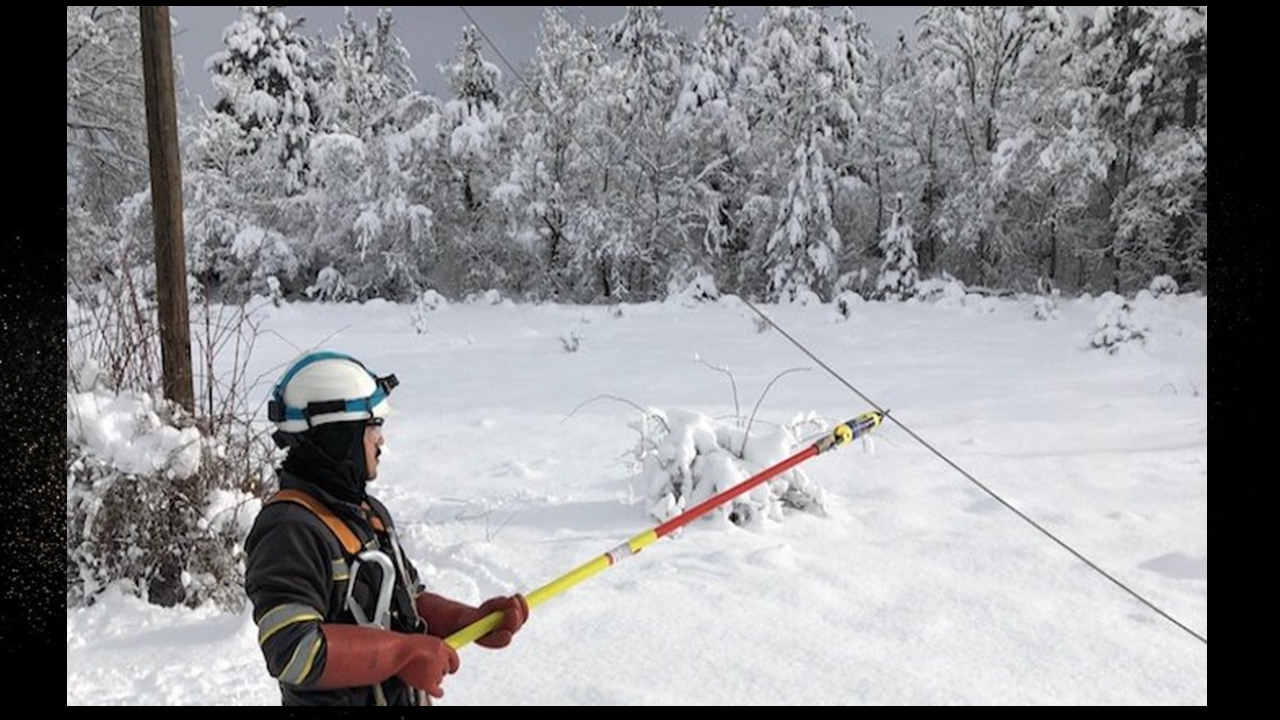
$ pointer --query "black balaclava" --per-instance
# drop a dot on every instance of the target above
(332, 456)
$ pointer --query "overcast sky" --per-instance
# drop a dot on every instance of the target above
(432, 34)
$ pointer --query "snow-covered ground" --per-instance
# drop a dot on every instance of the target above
(915, 588)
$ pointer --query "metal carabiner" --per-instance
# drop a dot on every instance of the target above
(382, 607)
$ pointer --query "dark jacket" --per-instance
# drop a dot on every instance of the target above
(296, 576)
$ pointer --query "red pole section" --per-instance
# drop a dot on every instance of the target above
(701, 508)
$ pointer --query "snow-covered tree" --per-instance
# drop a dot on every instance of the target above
(106, 134)
(855, 155)
(1024, 146)
(711, 132)
(367, 72)
(405, 189)
(371, 160)
(368, 232)
(393, 229)
(233, 248)
(348, 232)
(267, 80)
(473, 124)
(980, 54)
(899, 272)
(907, 130)
(798, 94)
(1147, 69)
(1052, 167)
(1046, 162)
(558, 163)
(646, 188)
(106, 111)
(804, 247)
(847, 58)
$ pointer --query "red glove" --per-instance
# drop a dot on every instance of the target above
(445, 617)
(357, 656)
(426, 668)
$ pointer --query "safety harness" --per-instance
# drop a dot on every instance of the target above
(356, 556)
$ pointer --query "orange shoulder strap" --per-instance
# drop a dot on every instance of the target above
(349, 541)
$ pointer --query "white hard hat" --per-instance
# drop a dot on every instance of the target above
(327, 387)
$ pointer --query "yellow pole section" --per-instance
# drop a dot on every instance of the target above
(486, 624)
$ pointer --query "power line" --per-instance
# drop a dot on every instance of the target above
(975, 481)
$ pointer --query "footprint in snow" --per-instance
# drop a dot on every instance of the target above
(1179, 566)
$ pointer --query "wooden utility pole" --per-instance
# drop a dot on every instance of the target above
(166, 205)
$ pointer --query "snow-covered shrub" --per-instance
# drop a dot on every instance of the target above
(571, 339)
(428, 302)
(857, 281)
(431, 300)
(331, 286)
(1162, 285)
(804, 297)
(701, 288)
(847, 301)
(1118, 325)
(158, 500)
(1045, 305)
(274, 291)
(686, 457)
(488, 297)
(418, 318)
(150, 504)
(946, 291)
